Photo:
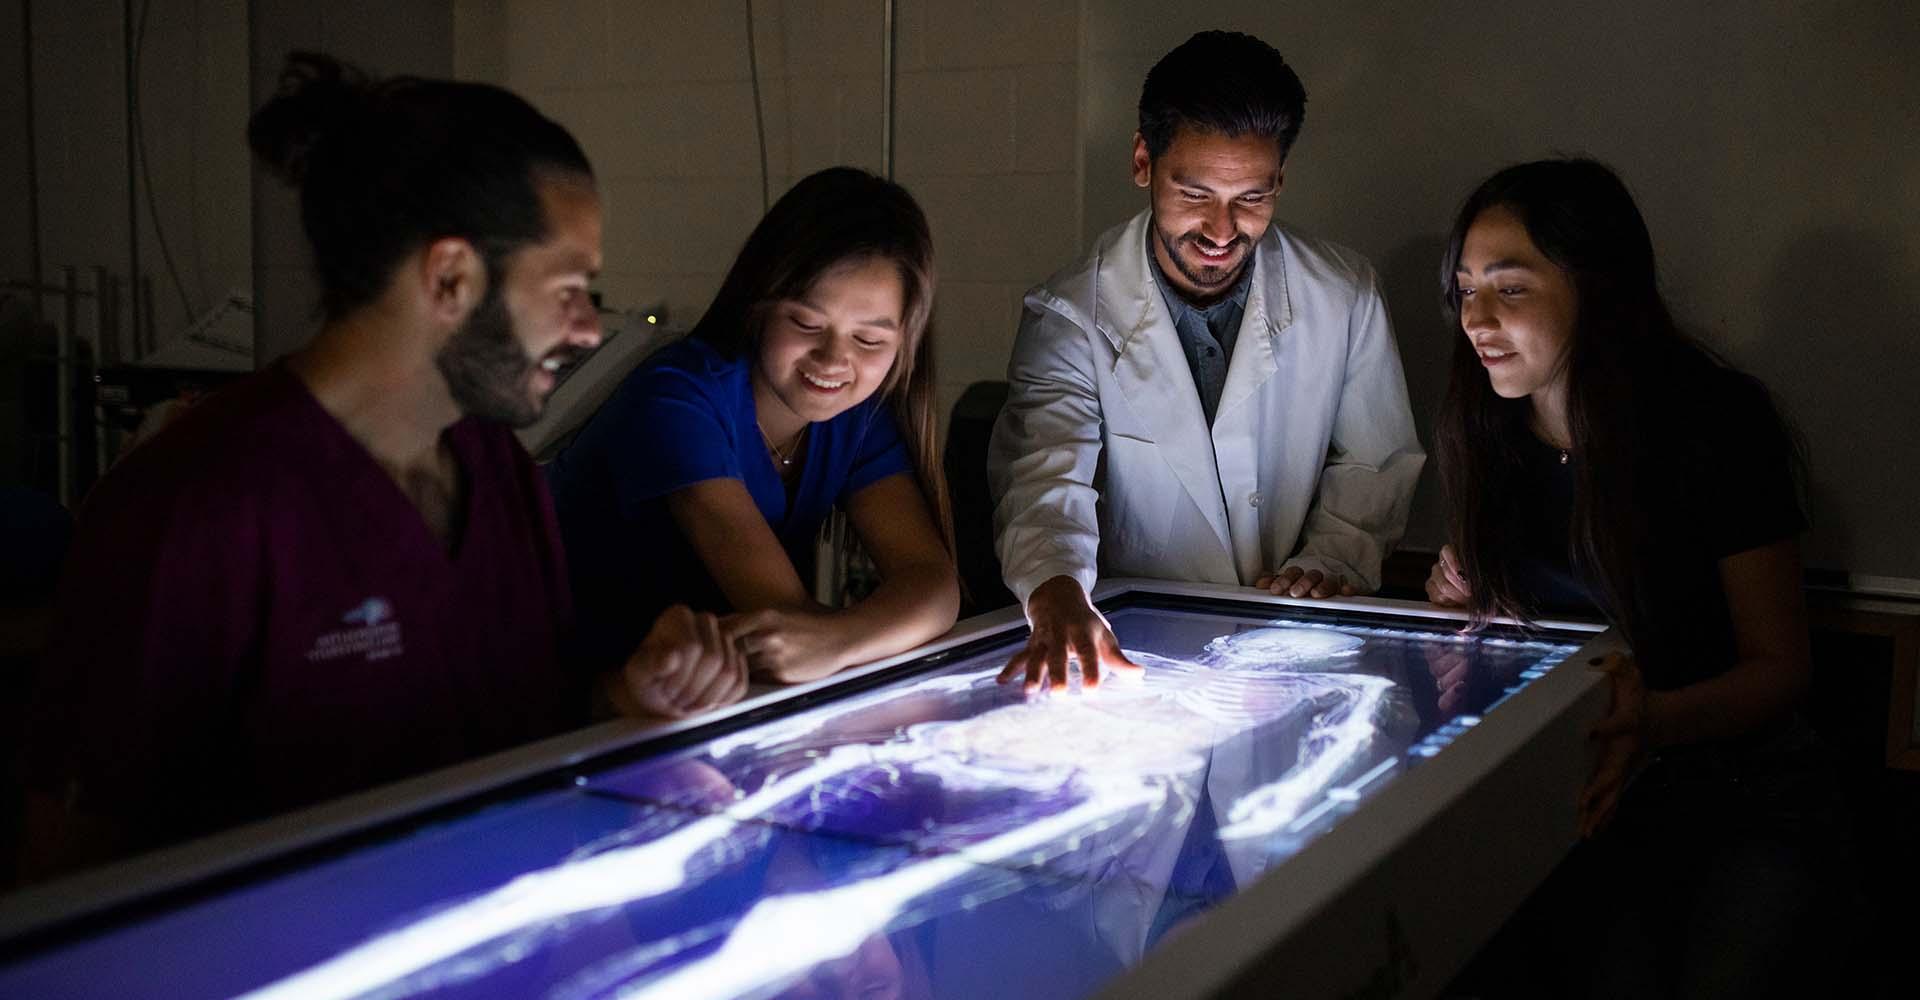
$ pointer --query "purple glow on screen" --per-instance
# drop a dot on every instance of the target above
(874, 846)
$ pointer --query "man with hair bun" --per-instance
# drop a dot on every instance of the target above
(344, 569)
(1208, 395)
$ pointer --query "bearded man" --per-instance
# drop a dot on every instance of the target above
(1208, 395)
(344, 569)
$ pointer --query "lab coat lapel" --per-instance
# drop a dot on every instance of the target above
(1268, 312)
(1152, 372)
(1235, 438)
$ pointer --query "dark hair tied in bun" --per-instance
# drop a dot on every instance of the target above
(387, 165)
(317, 96)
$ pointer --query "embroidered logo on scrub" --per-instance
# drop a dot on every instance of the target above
(372, 632)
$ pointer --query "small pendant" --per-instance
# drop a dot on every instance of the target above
(1563, 456)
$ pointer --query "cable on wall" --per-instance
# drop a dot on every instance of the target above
(133, 182)
(888, 36)
(139, 130)
(759, 121)
(31, 146)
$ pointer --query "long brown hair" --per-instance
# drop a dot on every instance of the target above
(829, 218)
(1629, 371)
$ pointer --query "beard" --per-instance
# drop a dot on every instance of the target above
(486, 367)
(1211, 278)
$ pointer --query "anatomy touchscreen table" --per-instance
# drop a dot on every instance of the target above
(934, 834)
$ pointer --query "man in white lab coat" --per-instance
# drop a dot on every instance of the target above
(1207, 395)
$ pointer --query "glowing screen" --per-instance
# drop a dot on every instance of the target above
(935, 836)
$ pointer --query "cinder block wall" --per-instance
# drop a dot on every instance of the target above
(1770, 146)
(193, 108)
(987, 118)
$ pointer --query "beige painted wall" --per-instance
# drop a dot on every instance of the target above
(1771, 146)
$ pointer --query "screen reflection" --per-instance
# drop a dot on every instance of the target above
(922, 839)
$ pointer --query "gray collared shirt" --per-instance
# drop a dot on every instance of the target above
(1207, 333)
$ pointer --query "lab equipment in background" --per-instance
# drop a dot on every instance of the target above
(627, 337)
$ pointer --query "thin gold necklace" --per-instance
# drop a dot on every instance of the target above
(784, 457)
(1539, 433)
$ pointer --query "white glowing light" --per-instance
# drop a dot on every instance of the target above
(784, 936)
(1269, 648)
(1342, 735)
(1091, 733)
(609, 879)
(794, 728)
(1105, 762)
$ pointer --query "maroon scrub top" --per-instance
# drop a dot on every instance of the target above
(254, 617)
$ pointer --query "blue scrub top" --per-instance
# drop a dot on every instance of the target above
(686, 415)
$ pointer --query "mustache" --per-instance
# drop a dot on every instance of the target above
(1197, 239)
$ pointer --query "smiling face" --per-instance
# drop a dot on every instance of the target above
(829, 349)
(1212, 199)
(505, 360)
(1517, 308)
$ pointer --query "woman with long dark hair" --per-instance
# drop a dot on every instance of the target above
(1594, 458)
(807, 384)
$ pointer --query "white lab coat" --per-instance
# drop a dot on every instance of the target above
(1102, 462)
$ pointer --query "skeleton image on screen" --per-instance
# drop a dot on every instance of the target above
(1282, 648)
(874, 843)
(1099, 786)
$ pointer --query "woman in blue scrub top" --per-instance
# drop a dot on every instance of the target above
(807, 384)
